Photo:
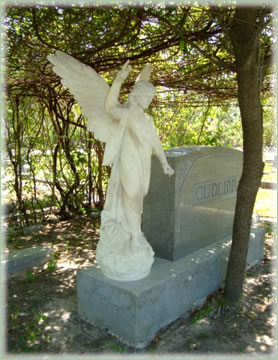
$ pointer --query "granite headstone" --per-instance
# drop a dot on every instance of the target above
(195, 207)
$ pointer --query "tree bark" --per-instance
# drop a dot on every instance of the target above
(90, 185)
(18, 164)
(99, 183)
(244, 34)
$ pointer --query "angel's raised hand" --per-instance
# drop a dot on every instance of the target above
(123, 73)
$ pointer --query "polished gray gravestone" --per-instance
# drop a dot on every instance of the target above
(195, 207)
(188, 221)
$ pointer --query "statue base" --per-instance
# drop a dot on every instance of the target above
(136, 310)
(123, 257)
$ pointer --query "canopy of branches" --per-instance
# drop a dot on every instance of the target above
(194, 72)
(187, 46)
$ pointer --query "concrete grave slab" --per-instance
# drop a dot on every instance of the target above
(136, 310)
(31, 229)
(25, 259)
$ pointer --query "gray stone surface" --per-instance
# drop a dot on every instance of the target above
(31, 229)
(136, 310)
(25, 259)
(195, 207)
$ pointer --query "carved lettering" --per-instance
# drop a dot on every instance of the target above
(214, 190)
(199, 193)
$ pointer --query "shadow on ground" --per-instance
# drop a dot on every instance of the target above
(42, 312)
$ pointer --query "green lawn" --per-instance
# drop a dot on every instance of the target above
(266, 200)
(265, 204)
(270, 173)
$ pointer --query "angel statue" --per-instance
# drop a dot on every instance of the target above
(123, 252)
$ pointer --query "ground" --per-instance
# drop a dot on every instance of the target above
(42, 312)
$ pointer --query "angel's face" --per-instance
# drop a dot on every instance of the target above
(144, 101)
(141, 100)
(142, 94)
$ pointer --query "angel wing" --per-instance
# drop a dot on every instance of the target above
(89, 90)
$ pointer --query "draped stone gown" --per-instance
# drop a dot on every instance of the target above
(131, 143)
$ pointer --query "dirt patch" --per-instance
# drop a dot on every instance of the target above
(42, 312)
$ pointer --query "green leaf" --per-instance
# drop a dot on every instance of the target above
(183, 46)
(31, 276)
(38, 317)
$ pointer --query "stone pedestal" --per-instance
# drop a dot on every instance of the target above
(136, 310)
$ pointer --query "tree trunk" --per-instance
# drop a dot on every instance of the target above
(18, 165)
(99, 184)
(90, 190)
(245, 34)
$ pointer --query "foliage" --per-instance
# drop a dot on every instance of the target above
(194, 73)
(186, 45)
(52, 263)
(214, 126)
(270, 116)
(201, 314)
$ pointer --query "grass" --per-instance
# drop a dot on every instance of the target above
(266, 200)
(270, 173)
(265, 204)
(271, 176)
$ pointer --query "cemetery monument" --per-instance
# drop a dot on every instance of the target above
(187, 217)
(123, 252)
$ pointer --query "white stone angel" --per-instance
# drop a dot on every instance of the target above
(123, 253)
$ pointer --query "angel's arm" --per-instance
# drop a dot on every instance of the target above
(111, 100)
(157, 146)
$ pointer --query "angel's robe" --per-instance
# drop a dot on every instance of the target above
(130, 148)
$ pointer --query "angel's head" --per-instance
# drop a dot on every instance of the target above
(142, 93)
